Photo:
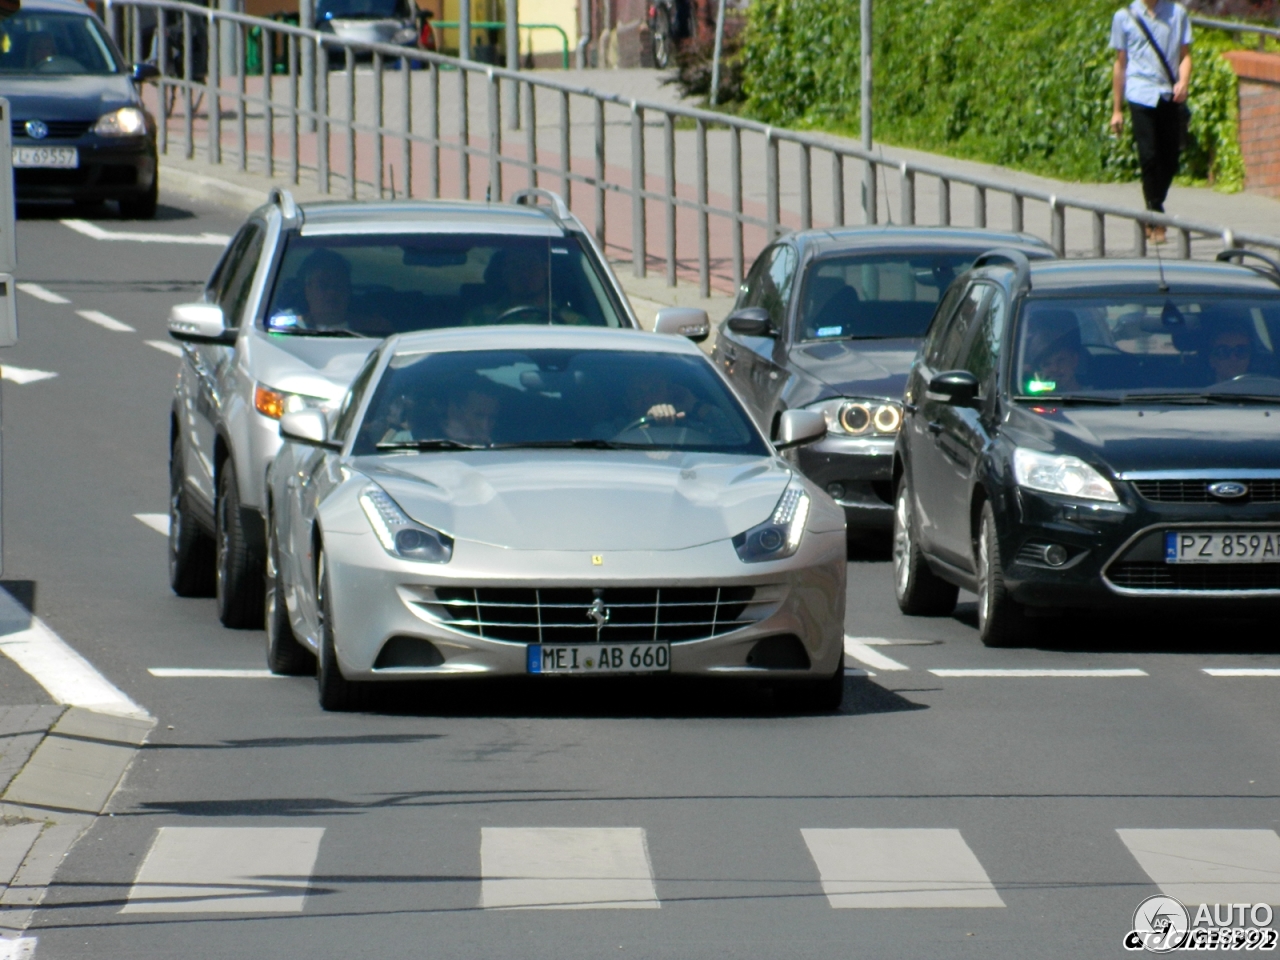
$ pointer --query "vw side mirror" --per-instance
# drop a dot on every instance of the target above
(956, 387)
(751, 322)
(306, 426)
(683, 322)
(200, 323)
(797, 427)
(142, 72)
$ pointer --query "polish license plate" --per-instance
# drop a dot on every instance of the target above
(64, 157)
(1258, 546)
(592, 658)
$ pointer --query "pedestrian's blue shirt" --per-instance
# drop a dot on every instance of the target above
(1145, 81)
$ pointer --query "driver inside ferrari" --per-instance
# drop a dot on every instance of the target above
(523, 292)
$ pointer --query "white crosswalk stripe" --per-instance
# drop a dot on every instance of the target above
(40, 293)
(96, 232)
(214, 673)
(879, 868)
(1241, 671)
(24, 374)
(566, 868)
(1210, 866)
(164, 346)
(102, 320)
(159, 522)
(1047, 672)
(226, 870)
(864, 653)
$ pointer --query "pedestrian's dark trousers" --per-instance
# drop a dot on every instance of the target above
(1155, 131)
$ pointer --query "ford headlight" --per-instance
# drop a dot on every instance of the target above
(125, 122)
(276, 403)
(854, 417)
(1063, 475)
(400, 536)
(779, 536)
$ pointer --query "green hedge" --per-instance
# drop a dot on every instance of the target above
(1021, 83)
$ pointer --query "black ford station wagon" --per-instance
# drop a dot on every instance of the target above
(1093, 434)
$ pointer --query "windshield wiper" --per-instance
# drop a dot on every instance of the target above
(1190, 398)
(439, 443)
(580, 444)
(1072, 399)
(320, 333)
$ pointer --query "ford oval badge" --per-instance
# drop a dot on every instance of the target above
(1228, 490)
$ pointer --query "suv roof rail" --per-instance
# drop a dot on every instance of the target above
(1239, 253)
(530, 197)
(282, 198)
(1015, 258)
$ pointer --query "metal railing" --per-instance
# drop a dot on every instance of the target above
(292, 111)
(1234, 26)
(501, 26)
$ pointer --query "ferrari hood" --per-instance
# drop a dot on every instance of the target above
(583, 500)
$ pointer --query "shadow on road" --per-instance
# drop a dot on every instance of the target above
(57, 210)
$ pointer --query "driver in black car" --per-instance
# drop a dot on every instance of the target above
(1230, 352)
(522, 292)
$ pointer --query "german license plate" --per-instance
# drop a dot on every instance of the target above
(65, 157)
(1260, 546)
(599, 658)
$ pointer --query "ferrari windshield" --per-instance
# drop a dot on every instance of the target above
(379, 284)
(552, 398)
(874, 297)
(1117, 347)
(41, 43)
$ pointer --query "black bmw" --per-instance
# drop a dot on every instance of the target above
(80, 130)
(1092, 434)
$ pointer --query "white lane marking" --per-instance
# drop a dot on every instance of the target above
(878, 868)
(67, 677)
(1123, 672)
(40, 293)
(566, 868)
(24, 375)
(187, 673)
(102, 320)
(886, 642)
(1242, 671)
(861, 651)
(98, 233)
(159, 522)
(23, 948)
(1210, 866)
(226, 870)
(164, 346)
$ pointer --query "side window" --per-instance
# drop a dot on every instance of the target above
(933, 336)
(237, 272)
(770, 281)
(351, 403)
(983, 353)
(946, 349)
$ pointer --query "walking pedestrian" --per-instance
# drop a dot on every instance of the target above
(1152, 73)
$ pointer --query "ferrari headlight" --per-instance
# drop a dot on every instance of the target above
(779, 536)
(1055, 473)
(400, 536)
(276, 403)
(854, 417)
(125, 122)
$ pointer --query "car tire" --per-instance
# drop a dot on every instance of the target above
(1001, 619)
(191, 551)
(920, 591)
(240, 572)
(813, 696)
(336, 692)
(142, 207)
(285, 655)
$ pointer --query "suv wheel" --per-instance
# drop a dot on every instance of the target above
(285, 654)
(1001, 620)
(239, 571)
(336, 691)
(191, 560)
(920, 591)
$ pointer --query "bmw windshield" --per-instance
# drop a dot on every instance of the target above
(602, 399)
(1192, 349)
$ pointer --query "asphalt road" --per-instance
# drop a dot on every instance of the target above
(947, 816)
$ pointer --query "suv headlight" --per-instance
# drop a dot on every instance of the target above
(779, 536)
(1055, 473)
(400, 536)
(125, 122)
(855, 417)
(276, 403)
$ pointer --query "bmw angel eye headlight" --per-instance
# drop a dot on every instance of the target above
(125, 122)
(1063, 475)
(779, 536)
(276, 403)
(400, 536)
(855, 417)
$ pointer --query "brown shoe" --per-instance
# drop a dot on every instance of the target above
(1158, 234)
(1149, 230)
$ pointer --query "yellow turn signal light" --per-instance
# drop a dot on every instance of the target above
(268, 402)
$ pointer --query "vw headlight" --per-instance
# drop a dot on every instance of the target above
(855, 417)
(276, 403)
(1055, 473)
(779, 536)
(400, 536)
(125, 122)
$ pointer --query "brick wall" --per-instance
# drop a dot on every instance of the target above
(1259, 75)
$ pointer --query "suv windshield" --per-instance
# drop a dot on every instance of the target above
(51, 44)
(887, 295)
(379, 284)
(554, 398)
(360, 9)
(1142, 345)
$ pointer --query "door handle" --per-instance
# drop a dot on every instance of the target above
(935, 427)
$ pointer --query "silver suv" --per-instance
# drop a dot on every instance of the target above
(299, 299)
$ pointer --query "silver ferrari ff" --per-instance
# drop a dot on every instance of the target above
(550, 502)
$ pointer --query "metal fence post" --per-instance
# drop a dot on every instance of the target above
(379, 160)
(1139, 238)
(291, 81)
(980, 206)
(406, 124)
(704, 239)
(806, 187)
(1184, 243)
(837, 188)
(213, 99)
(599, 172)
(494, 191)
(566, 169)
(669, 171)
(433, 128)
(531, 131)
(870, 195)
(1057, 226)
(639, 244)
(1099, 234)
(464, 136)
(944, 202)
(735, 199)
(162, 58)
(242, 102)
(187, 106)
(908, 188)
(350, 78)
(322, 116)
(268, 111)
(1016, 211)
(772, 213)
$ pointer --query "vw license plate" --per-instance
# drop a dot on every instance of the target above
(600, 658)
(65, 157)
(1212, 547)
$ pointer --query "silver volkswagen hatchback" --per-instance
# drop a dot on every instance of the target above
(297, 302)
